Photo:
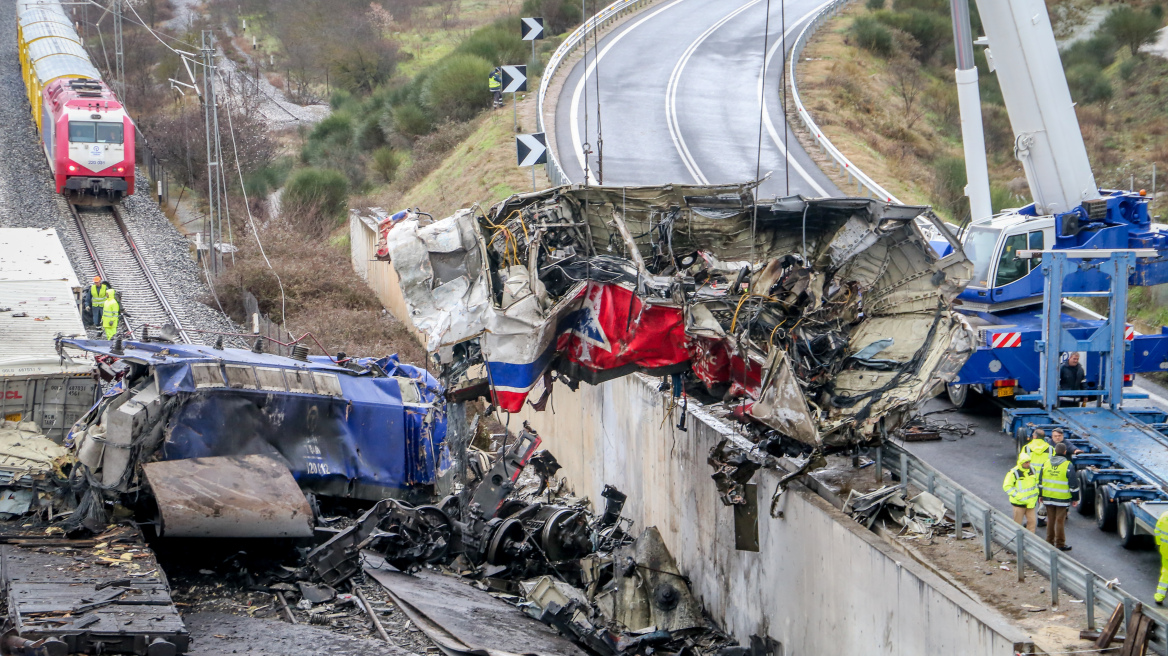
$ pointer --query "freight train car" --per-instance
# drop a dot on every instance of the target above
(85, 132)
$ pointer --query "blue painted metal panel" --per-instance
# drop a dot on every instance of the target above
(366, 443)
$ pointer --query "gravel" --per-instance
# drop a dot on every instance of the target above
(28, 200)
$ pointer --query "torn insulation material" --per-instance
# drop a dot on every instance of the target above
(826, 320)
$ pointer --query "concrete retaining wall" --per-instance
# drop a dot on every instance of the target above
(380, 276)
(819, 584)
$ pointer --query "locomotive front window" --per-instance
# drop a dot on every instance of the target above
(109, 133)
(90, 132)
(82, 131)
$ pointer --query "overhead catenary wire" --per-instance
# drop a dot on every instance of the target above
(599, 124)
(254, 230)
(766, 35)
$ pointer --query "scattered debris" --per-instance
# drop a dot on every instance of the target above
(107, 595)
(824, 321)
(237, 435)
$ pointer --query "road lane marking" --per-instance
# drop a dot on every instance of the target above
(766, 114)
(671, 95)
(574, 117)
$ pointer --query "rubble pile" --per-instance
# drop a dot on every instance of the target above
(824, 321)
(581, 573)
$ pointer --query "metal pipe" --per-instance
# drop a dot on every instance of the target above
(369, 610)
(284, 604)
(1089, 600)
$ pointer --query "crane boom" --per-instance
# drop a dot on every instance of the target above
(1047, 139)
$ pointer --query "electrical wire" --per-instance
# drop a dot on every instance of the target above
(766, 35)
(255, 232)
(599, 124)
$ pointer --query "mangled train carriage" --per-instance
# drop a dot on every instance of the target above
(824, 320)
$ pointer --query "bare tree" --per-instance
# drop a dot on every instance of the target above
(908, 84)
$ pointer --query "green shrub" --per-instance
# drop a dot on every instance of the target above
(369, 133)
(263, 181)
(1001, 198)
(1099, 51)
(457, 87)
(316, 198)
(336, 128)
(559, 16)
(498, 43)
(949, 185)
(940, 7)
(386, 162)
(361, 66)
(1088, 84)
(409, 120)
(874, 5)
(1127, 70)
(929, 30)
(339, 99)
(872, 36)
(1131, 28)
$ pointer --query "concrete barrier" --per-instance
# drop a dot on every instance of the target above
(818, 584)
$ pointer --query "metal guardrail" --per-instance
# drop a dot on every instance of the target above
(994, 527)
(601, 19)
(844, 166)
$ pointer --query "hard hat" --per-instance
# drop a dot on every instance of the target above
(97, 279)
(1023, 457)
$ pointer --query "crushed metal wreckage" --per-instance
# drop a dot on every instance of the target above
(581, 573)
(822, 320)
(229, 441)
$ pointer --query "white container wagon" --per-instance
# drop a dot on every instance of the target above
(39, 299)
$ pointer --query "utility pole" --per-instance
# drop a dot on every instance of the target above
(119, 54)
(210, 121)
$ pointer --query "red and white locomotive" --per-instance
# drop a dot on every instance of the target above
(86, 133)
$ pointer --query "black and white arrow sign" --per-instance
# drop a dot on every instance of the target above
(532, 28)
(531, 148)
(514, 79)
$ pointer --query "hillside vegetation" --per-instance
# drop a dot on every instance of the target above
(878, 79)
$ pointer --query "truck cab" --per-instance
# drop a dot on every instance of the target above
(1001, 280)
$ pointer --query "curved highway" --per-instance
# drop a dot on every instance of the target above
(679, 90)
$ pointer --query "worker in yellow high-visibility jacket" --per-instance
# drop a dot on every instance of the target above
(110, 314)
(1022, 485)
(1162, 542)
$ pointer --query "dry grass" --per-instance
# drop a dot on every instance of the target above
(480, 168)
(322, 294)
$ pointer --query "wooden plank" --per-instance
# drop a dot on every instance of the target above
(1139, 643)
(1111, 628)
(1133, 625)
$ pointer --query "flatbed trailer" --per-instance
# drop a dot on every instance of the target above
(1123, 459)
(1123, 467)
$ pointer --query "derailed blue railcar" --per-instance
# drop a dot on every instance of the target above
(369, 429)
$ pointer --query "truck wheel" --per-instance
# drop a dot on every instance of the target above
(1105, 511)
(1086, 498)
(958, 394)
(1125, 526)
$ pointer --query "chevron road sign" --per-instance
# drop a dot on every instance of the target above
(531, 148)
(514, 79)
(531, 28)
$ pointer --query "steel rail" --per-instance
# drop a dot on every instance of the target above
(91, 250)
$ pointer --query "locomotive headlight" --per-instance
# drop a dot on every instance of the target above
(121, 169)
(72, 168)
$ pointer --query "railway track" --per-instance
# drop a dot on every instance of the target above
(115, 257)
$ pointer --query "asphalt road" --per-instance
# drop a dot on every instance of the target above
(679, 96)
(980, 462)
(679, 88)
